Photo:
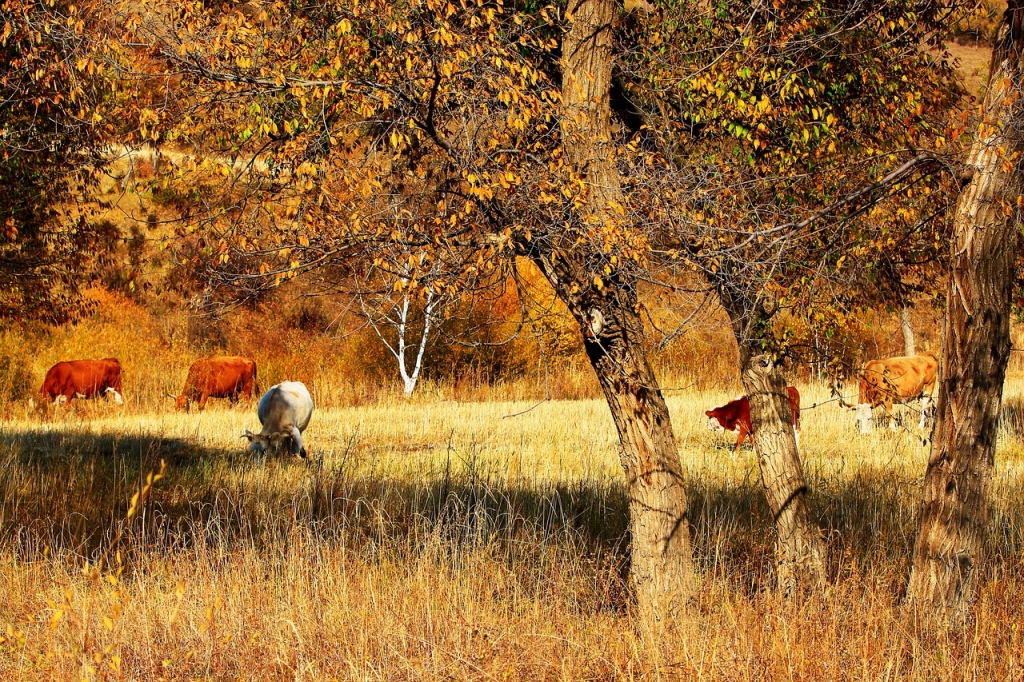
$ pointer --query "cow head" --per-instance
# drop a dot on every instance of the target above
(864, 419)
(117, 396)
(180, 401)
(719, 420)
(259, 444)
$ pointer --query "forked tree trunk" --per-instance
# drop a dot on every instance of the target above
(661, 569)
(948, 556)
(907, 327)
(799, 550)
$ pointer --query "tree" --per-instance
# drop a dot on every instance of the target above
(607, 310)
(949, 553)
(907, 329)
(52, 101)
(777, 132)
(399, 310)
(614, 152)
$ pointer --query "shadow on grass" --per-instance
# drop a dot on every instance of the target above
(68, 493)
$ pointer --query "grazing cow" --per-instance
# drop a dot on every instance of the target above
(284, 411)
(217, 377)
(83, 379)
(895, 380)
(734, 416)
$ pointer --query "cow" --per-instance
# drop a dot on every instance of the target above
(734, 416)
(284, 412)
(72, 379)
(217, 377)
(895, 380)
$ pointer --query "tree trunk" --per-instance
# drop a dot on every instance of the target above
(662, 569)
(799, 554)
(907, 327)
(661, 556)
(948, 555)
(799, 550)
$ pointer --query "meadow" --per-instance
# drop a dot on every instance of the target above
(434, 539)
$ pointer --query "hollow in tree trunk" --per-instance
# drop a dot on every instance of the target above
(949, 552)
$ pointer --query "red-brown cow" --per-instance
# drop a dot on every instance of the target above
(895, 380)
(217, 377)
(735, 416)
(83, 379)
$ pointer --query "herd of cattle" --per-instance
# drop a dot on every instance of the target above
(885, 382)
(285, 409)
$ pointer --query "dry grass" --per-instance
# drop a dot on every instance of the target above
(439, 540)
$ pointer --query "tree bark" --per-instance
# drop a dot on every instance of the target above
(799, 553)
(907, 327)
(949, 552)
(799, 550)
(661, 569)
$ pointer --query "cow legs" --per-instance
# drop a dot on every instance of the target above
(739, 441)
(296, 441)
(202, 401)
(893, 425)
(864, 418)
(926, 410)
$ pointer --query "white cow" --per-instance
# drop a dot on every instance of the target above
(284, 411)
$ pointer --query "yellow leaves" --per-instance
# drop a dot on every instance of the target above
(86, 64)
(398, 139)
(141, 495)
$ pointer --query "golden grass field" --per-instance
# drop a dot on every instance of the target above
(442, 540)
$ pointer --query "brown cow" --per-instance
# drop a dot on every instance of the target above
(895, 380)
(66, 381)
(735, 416)
(217, 377)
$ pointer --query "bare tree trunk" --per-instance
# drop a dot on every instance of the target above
(799, 553)
(949, 554)
(799, 550)
(662, 569)
(907, 327)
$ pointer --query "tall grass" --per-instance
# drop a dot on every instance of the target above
(441, 540)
